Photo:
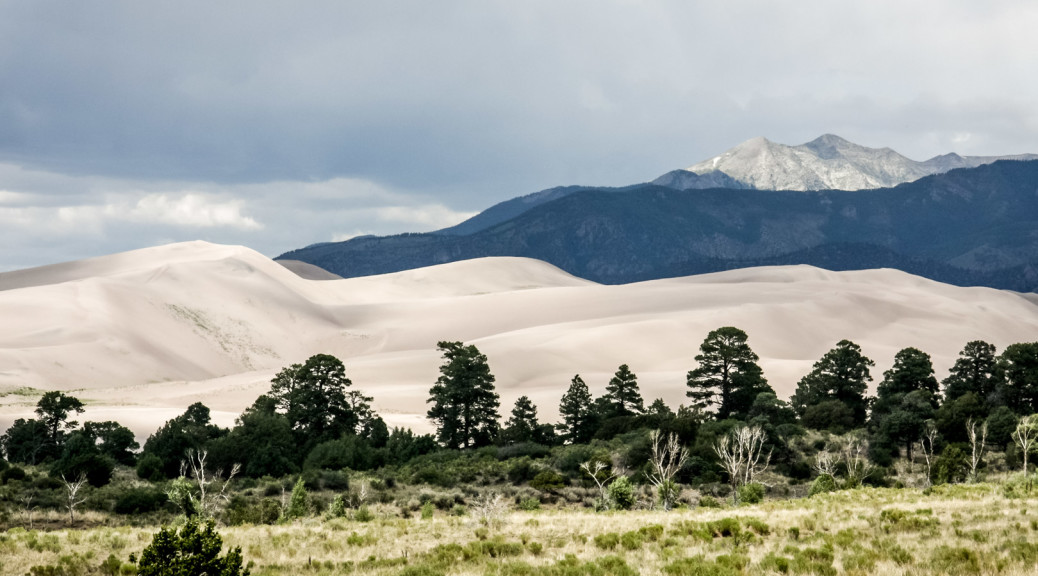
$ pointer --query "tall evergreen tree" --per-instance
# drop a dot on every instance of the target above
(463, 398)
(314, 399)
(190, 430)
(728, 375)
(905, 399)
(841, 375)
(579, 419)
(912, 370)
(622, 396)
(976, 370)
(1019, 362)
(523, 426)
(53, 410)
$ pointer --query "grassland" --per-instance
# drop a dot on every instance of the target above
(958, 529)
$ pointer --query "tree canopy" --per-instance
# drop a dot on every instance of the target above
(728, 375)
(976, 370)
(579, 418)
(622, 397)
(840, 376)
(314, 399)
(464, 403)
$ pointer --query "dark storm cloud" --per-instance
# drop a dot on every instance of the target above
(441, 108)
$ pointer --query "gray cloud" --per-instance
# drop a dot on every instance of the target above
(449, 107)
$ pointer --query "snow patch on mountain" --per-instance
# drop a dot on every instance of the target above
(828, 162)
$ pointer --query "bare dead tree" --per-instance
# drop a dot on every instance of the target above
(26, 500)
(741, 453)
(927, 445)
(825, 463)
(977, 448)
(594, 470)
(489, 508)
(72, 489)
(1025, 436)
(667, 458)
(856, 456)
(204, 479)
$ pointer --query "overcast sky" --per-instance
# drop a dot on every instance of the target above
(129, 124)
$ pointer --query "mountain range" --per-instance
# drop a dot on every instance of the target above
(967, 226)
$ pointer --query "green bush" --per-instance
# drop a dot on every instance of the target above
(548, 481)
(607, 541)
(708, 501)
(955, 561)
(651, 532)
(824, 483)
(140, 501)
(632, 540)
(149, 467)
(427, 511)
(337, 509)
(12, 473)
(752, 493)
(363, 515)
(699, 566)
(194, 550)
(299, 502)
(529, 504)
(621, 493)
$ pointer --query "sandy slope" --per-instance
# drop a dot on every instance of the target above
(141, 335)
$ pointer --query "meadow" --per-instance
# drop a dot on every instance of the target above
(951, 529)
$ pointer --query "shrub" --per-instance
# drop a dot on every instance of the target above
(194, 550)
(708, 501)
(299, 503)
(699, 566)
(337, 509)
(427, 511)
(621, 493)
(607, 541)
(954, 561)
(824, 483)
(529, 504)
(140, 501)
(363, 515)
(548, 481)
(149, 467)
(752, 493)
(631, 540)
(12, 473)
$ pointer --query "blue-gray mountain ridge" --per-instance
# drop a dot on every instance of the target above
(968, 226)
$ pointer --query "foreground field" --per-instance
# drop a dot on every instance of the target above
(950, 530)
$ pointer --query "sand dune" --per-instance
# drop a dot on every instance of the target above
(140, 335)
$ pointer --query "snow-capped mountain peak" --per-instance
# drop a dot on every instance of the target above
(827, 162)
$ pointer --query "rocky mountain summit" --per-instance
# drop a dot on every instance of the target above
(828, 162)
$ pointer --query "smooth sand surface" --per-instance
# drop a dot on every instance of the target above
(141, 335)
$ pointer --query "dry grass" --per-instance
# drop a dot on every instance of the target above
(951, 530)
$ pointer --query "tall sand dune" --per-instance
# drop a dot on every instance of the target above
(139, 336)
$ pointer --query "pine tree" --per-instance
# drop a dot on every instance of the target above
(314, 398)
(579, 419)
(1019, 362)
(523, 425)
(976, 370)
(728, 375)
(622, 395)
(841, 375)
(463, 398)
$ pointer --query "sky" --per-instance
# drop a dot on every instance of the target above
(125, 125)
